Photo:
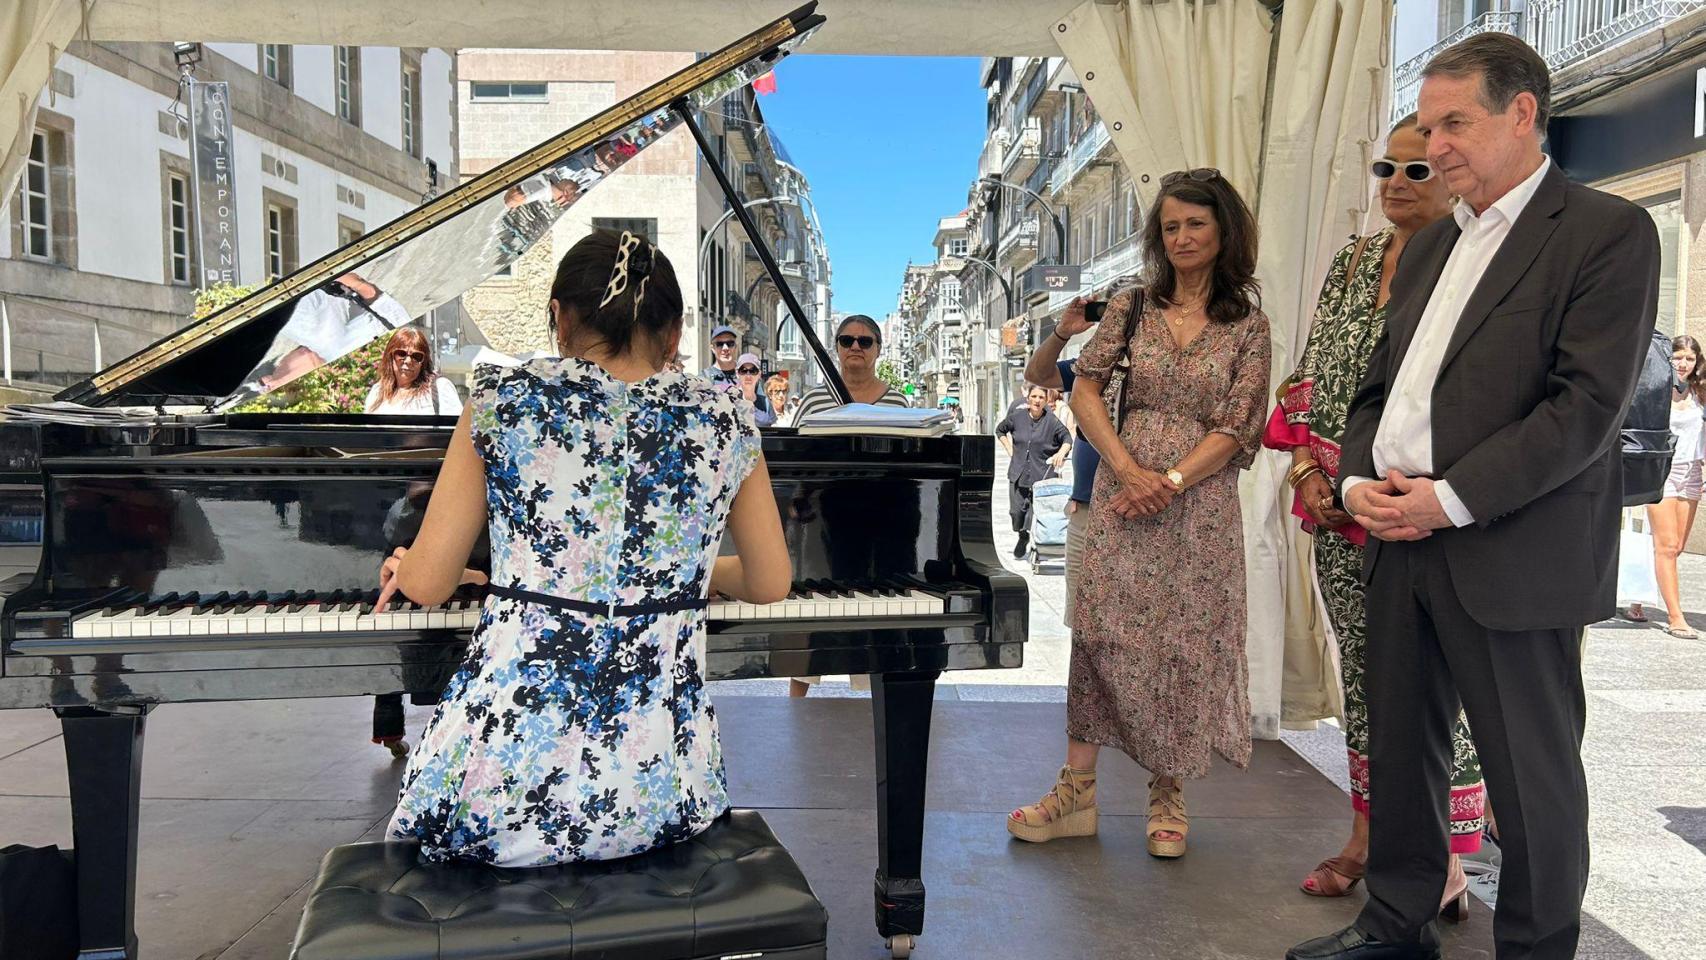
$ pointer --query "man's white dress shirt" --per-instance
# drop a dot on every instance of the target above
(1404, 440)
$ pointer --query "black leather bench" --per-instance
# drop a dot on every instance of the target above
(731, 891)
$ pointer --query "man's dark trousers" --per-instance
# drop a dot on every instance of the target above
(1522, 692)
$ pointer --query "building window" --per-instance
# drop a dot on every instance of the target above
(349, 231)
(279, 224)
(638, 226)
(512, 92)
(36, 200)
(1666, 211)
(411, 113)
(1132, 215)
(957, 247)
(275, 63)
(1113, 229)
(951, 295)
(347, 63)
(178, 226)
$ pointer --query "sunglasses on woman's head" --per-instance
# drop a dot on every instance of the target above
(847, 341)
(1415, 171)
(751, 370)
(410, 355)
(1200, 175)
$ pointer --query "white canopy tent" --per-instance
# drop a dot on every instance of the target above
(1287, 107)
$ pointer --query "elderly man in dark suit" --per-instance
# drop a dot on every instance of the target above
(1481, 452)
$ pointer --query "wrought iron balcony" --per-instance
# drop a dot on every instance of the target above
(1565, 31)
(1078, 156)
(1407, 78)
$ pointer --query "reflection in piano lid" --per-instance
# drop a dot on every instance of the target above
(428, 256)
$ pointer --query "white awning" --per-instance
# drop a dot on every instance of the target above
(1186, 84)
(32, 35)
(1179, 83)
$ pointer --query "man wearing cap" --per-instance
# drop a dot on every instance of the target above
(724, 343)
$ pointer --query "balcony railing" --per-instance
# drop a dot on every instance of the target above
(1079, 156)
(1564, 31)
(1407, 78)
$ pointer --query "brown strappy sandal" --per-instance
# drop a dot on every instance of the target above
(1333, 877)
(1069, 810)
(1167, 814)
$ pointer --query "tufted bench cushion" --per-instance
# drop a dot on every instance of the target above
(732, 890)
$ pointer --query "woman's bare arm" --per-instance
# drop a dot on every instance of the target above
(760, 571)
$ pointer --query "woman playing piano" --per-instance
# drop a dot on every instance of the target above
(578, 727)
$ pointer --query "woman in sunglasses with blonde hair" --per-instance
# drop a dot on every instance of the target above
(1309, 421)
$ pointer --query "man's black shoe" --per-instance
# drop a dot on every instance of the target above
(1024, 543)
(1352, 944)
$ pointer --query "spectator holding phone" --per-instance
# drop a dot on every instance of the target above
(1047, 369)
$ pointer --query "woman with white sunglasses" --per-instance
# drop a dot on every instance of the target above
(1309, 421)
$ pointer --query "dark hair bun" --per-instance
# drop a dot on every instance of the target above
(651, 304)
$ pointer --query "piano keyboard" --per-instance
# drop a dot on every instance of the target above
(174, 616)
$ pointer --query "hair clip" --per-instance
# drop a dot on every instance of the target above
(619, 273)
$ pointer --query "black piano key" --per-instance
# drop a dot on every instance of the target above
(208, 604)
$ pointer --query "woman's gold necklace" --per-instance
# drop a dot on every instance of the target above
(1180, 315)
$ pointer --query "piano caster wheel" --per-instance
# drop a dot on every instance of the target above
(399, 749)
(900, 945)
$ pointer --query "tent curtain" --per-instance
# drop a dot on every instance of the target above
(33, 33)
(1183, 84)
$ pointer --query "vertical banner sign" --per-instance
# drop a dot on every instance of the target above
(211, 150)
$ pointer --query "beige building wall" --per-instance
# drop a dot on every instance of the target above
(661, 183)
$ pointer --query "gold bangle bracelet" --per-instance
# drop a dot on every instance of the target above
(1301, 469)
(1305, 475)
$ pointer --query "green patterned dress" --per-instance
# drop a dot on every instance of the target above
(1316, 400)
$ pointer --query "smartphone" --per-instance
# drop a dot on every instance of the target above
(1093, 310)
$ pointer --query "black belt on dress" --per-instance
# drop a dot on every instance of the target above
(599, 609)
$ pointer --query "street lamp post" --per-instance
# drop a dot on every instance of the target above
(1059, 224)
(711, 232)
(1006, 288)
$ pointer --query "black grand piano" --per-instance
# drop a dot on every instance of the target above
(195, 554)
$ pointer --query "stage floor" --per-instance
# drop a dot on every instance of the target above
(242, 799)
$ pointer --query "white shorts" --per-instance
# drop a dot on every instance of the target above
(1684, 481)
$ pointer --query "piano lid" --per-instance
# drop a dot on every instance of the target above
(426, 257)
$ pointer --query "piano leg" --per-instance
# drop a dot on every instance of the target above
(901, 705)
(103, 755)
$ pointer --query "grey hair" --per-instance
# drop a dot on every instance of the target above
(1506, 65)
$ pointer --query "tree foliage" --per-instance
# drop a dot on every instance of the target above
(338, 387)
(889, 372)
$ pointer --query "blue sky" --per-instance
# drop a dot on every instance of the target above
(890, 145)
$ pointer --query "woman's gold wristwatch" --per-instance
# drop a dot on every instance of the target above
(1177, 478)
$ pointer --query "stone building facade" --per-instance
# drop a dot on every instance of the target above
(94, 264)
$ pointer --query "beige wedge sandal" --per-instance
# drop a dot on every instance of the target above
(1167, 814)
(1069, 810)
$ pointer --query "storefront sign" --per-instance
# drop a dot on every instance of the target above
(1700, 103)
(1057, 278)
(1632, 127)
(212, 152)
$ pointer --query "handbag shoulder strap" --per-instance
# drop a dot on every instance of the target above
(1356, 257)
(1132, 314)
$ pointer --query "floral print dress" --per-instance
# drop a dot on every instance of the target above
(1312, 413)
(1158, 668)
(569, 735)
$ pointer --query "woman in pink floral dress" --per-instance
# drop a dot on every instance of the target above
(1158, 668)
